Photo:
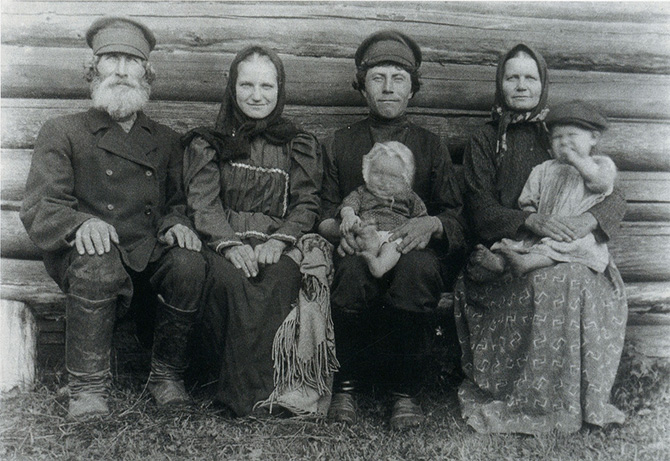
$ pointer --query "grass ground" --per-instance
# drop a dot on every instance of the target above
(32, 426)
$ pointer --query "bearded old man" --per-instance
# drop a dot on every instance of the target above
(104, 203)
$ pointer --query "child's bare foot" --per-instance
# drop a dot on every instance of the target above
(522, 263)
(488, 259)
(514, 262)
(484, 265)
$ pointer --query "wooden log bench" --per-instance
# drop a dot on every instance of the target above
(596, 52)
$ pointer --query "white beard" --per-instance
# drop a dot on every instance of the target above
(120, 98)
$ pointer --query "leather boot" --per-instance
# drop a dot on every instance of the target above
(169, 358)
(406, 413)
(343, 404)
(88, 343)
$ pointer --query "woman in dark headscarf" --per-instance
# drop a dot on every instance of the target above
(540, 351)
(252, 187)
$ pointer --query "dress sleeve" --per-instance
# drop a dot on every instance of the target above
(175, 199)
(352, 200)
(446, 199)
(306, 174)
(529, 200)
(609, 214)
(330, 192)
(492, 220)
(49, 209)
(203, 196)
(418, 207)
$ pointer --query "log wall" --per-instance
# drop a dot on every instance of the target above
(616, 55)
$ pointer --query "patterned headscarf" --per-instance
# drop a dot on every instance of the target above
(234, 130)
(505, 115)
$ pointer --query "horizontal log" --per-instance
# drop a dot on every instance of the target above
(57, 73)
(654, 212)
(648, 193)
(632, 144)
(645, 186)
(27, 281)
(622, 37)
(14, 241)
(13, 174)
(648, 298)
(640, 250)
(649, 340)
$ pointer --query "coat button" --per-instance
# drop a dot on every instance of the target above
(110, 207)
(109, 172)
(149, 173)
(147, 211)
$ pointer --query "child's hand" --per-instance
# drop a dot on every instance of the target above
(348, 223)
(571, 156)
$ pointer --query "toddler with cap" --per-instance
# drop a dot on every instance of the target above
(385, 202)
(569, 184)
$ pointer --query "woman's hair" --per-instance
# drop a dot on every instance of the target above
(91, 70)
(247, 54)
(362, 72)
(391, 149)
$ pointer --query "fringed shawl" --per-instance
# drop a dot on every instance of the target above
(304, 346)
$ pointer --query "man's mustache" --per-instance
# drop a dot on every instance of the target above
(115, 81)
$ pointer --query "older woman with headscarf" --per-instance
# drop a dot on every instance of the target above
(540, 351)
(252, 188)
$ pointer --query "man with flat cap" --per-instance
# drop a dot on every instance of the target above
(104, 203)
(387, 76)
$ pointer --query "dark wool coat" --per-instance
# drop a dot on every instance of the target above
(434, 181)
(84, 166)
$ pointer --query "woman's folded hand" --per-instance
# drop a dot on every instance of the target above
(244, 258)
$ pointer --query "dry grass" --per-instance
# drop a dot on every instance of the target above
(33, 427)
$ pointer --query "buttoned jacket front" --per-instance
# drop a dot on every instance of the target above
(84, 166)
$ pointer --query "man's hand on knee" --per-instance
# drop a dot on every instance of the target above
(416, 233)
(184, 237)
(95, 236)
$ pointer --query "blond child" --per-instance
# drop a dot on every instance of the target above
(385, 202)
(569, 184)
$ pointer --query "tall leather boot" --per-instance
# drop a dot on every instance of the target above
(88, 343)
(169, 358)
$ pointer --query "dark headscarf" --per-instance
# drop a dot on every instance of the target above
(234, 130)
(505, 115)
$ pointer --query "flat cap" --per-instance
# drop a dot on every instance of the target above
(117, 34)
(388, 46)
(578, 113)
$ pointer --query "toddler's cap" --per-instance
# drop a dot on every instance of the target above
(578, 113)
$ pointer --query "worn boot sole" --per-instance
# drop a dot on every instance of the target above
(169, 393)
(406, 415)
(343, 409)
(87, 405)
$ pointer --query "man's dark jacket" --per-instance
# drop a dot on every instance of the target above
(84, 166)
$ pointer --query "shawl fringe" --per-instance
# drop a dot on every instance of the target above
(303, 350)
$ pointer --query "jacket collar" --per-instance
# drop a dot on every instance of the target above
(134, 147)
(98, 119)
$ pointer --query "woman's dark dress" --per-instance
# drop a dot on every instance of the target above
(541, 351)
(272, 193)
